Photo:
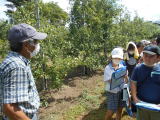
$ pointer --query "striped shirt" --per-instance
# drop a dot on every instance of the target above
(17, 84)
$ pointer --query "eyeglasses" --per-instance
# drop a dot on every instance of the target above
(33, 41)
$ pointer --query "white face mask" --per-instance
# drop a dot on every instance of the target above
(36, 50)
(131, 52)
(115, 61)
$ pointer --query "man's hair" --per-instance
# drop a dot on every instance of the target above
(16, 46)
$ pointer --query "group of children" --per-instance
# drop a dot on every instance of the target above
(128, 58)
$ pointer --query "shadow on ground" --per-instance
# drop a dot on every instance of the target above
(97, 114)
(80, 74)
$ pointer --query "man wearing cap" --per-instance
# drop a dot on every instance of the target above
(18, 94)
(145, 84)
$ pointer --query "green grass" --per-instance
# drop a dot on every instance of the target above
(89, 102)
(91, 106)
(74, 111)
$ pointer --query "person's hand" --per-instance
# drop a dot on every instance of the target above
(158, 105)
(126, 78)
(109, 81)
(136, 100)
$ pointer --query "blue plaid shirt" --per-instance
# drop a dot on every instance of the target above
(17, 84)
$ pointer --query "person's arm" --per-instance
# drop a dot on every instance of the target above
(107, 74)
(126, 77)
(13, 112)
(108, 81)
(134, 91)
(134, 79)
(15, 90)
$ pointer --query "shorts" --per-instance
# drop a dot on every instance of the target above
(114, 101)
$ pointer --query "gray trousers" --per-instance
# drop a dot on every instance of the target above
(144, 114)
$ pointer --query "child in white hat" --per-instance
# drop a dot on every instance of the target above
(114, 96)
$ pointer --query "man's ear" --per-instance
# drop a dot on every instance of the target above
(26, 44)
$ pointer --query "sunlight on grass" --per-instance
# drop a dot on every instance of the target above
(73, 112)
(91, 105)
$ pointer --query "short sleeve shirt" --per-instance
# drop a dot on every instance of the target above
(17, 84)
(108, 75)
(148, 83)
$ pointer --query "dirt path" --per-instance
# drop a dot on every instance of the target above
(68, 95)
(61, 101)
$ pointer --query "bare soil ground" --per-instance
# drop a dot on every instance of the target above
(58, 102)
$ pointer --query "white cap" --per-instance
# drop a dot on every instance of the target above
(145, 42)
(117, 53)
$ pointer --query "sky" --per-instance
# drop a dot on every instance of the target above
(64, 4)
(147, 9)
(2, 8)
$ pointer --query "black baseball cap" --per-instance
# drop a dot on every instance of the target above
(152, 50)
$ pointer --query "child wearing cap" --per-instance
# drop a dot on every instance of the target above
(114, 101)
